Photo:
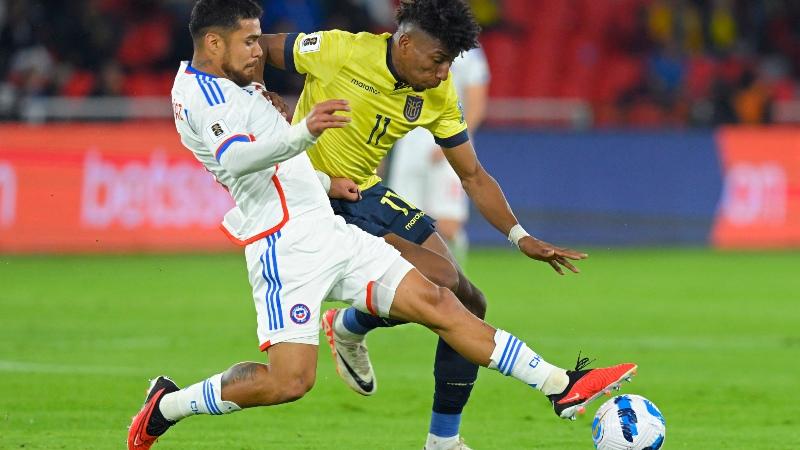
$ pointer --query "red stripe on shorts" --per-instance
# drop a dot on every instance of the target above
(370, 306)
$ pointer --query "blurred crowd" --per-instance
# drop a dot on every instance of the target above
(713, 62)
(651, 62)
(83, 48)
(645, 62)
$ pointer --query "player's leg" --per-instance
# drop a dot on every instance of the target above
(289, 375)
(287, 298)
(345, 330)
(452, 231)
(416, 299)
(466, 292)
(454, 376)
(287, 378)
(384, 284)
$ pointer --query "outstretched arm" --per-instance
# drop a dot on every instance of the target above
(491, 202)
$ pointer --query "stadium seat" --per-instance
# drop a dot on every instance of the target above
(501, 51)
(579, 71)
(618, 74)
(80, 84)
(142, 84)
(700, 74)
(645, 113)
(145, 43)
(786, 89)
(595, 17)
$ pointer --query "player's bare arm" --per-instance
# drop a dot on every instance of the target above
(272, 45)
(483, 189)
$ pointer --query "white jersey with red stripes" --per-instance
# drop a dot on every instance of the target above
(211, 113)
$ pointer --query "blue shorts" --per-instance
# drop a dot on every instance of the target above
(381, 211)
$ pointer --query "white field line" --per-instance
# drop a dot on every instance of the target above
(70, 369)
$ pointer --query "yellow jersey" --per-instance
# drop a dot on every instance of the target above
(358, 68)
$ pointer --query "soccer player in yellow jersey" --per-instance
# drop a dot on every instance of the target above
(395, 83)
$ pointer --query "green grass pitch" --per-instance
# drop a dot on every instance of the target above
(716, 335)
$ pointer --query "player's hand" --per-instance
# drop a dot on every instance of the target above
(323, 116)
(549, 253)
(278, 103)
(345, 189)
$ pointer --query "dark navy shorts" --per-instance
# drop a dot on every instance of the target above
(381, 211)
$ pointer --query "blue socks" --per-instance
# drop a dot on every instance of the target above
(358, 322)
(454, 375)
(445, 425)
(353, 325)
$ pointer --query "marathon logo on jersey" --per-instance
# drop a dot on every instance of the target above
(310, 43)
(413, 108)
(300, 313)
(218, 131)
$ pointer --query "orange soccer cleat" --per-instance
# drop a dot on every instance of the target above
(586, 385)
(149, 424)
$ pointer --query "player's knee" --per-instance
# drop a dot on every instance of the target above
(445, 275)
(443, 306)
(478, 304)
(295, 387)
(291, 383)
(472, 298)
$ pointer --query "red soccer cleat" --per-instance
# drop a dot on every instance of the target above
(149, 424)
(586, 385)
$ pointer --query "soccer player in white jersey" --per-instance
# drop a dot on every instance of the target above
(418, 169)
(298, 252)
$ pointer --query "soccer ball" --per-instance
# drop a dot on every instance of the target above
(628, 422)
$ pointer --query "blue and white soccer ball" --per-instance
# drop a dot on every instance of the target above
(628, 422)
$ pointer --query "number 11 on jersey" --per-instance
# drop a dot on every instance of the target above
(386, 121)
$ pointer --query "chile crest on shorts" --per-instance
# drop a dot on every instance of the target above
(300, 313)
(413, 108)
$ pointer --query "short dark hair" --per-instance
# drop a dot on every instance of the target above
(224, 14)
(449, 21)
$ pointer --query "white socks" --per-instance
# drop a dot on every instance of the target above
(204, 397)
(440, 443)
(512, 357)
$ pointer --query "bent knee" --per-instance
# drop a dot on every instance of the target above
(443, 305)
(478, 305)
(445, 275)
(472, 298)
(295, 388)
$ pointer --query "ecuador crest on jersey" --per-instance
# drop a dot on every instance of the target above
(413, 108)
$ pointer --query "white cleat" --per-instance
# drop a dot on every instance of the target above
(351, 357)
(460, 445)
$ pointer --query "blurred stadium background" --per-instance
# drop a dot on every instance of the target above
(621, 126)
(646, 121)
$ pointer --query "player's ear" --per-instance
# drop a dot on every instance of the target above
(214, 43)
(404, 43)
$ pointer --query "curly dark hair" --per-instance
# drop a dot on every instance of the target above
(224, 14)
(449, 21)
